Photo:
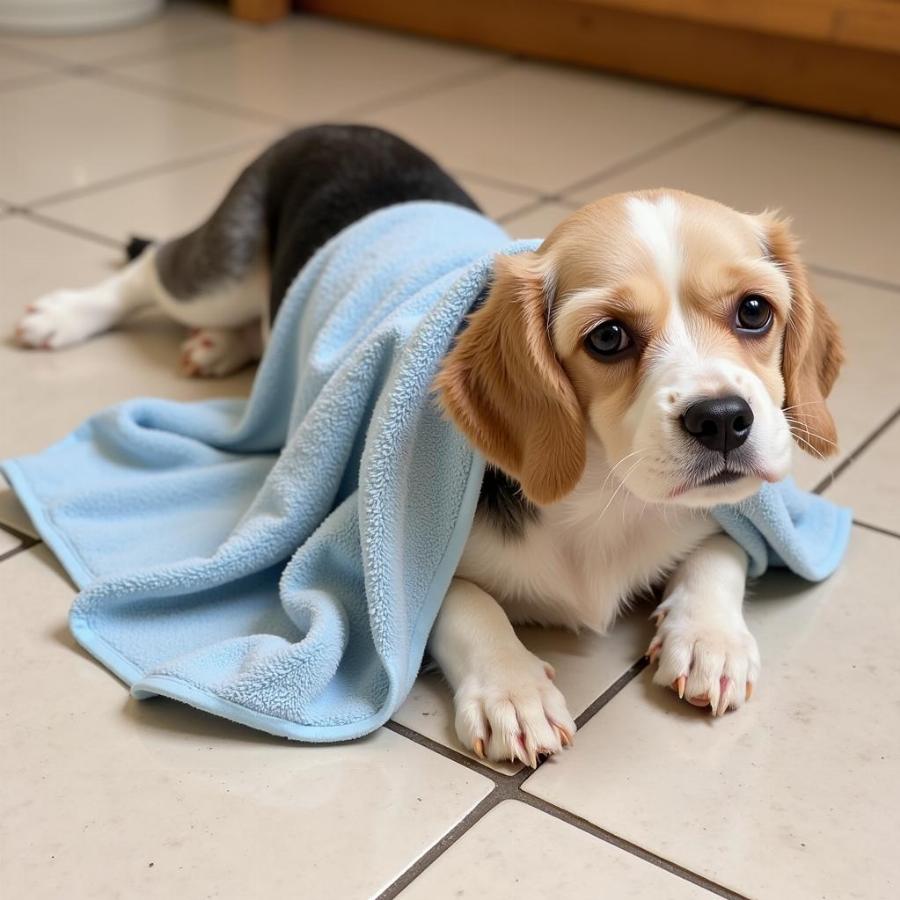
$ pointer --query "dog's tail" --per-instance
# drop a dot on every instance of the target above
(136, 246)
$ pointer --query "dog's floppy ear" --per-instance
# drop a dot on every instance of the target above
(506, 390)
(812, 353)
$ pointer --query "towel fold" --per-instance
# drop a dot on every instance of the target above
(280, 561)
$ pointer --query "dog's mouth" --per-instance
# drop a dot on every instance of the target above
(723, 476)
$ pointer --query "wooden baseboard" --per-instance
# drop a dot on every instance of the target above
(854, 81)
(261, 11)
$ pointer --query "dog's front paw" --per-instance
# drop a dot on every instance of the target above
(708, 659)
(510, 709)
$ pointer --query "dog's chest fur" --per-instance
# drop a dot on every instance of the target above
(575, 562)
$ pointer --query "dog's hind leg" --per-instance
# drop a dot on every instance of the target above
(214, 279)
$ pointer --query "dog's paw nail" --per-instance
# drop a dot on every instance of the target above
(749, 691)
(479, 748)
(653, 652)
(679, 686)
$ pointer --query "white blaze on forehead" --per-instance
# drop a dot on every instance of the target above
(655, 224)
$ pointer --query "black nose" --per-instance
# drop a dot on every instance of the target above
(721, 423)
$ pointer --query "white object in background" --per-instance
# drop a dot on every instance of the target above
(73, 16)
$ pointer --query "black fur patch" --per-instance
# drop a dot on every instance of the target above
(293, 198)
(136, 246)
(503, 505)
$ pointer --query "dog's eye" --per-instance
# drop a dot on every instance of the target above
(754, 313)
(608, 339)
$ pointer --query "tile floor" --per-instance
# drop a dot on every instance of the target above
(796, 796)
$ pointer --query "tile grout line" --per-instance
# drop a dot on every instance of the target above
(56, 63)
(510, 787)
(851, 458)
(551, 809)
(115, 78)
(140, 174)
(26, 542)
(865, 280)
(444, 843)
(876, 528)
(615, 688)
(189, 46)
(34, 80)
(121, 79)
(446, 83)
(523, 210)
(495, 181)
(655, 151)
(67, 228)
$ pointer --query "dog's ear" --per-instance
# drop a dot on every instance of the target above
(812, 353)
(505, 389)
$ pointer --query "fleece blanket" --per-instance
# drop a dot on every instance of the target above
(280, 560)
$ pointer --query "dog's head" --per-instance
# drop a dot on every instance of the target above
(680, 333)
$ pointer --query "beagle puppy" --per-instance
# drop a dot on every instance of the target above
(658, 355)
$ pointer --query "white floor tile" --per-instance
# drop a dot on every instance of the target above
(15, 68)
(167, 203)
(72, 133)
(105, 794)
(496, 200)
(546, 127)
(537, 222)
(309, 69)
(160, 205)
(871, 486)
(796, 795)
(838, 181)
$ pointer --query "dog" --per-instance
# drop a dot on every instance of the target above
(659, 354)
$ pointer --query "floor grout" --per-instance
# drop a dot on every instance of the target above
(27, 542)
(438, 86)
(710, 126)
(861, 448)
(116, 78)
(61, 63)
(877, 529)
(145, 172)
(510, 787)
(627, 846)
(615, 688)
(864, 280)
(67, 228)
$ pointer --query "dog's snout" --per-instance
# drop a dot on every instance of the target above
(720, 423)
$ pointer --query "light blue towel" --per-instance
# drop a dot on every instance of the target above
(280, 561)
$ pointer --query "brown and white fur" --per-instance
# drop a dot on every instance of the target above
(610, 490)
